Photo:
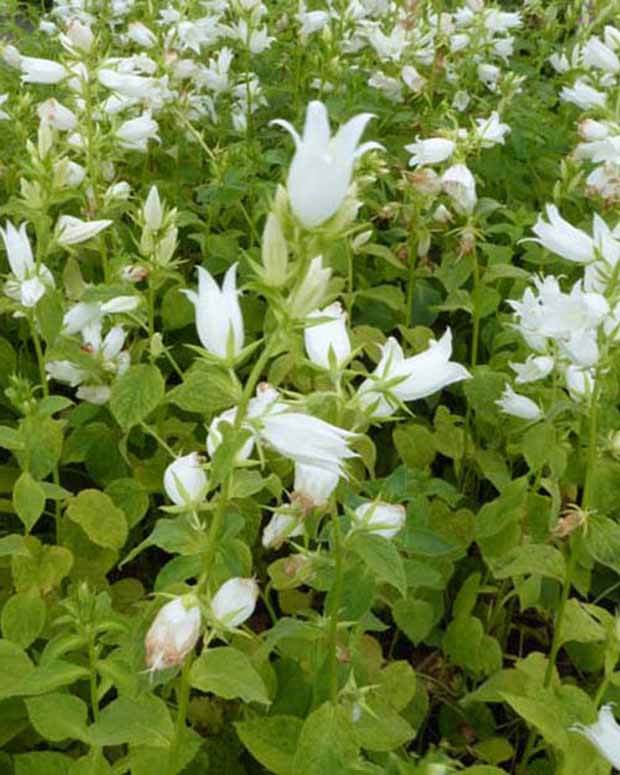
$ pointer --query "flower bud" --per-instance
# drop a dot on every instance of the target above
(327, 340)
(284, 524)
(153, 212)
(73, 231)
(460, 185)
(384, 519)
(185, 481)
(426, 181)
(79, 36)
(174, 633)
(274, 253)
(312, 290)
(234, 602)
(57, 116)
(313, 486)
(117, 192)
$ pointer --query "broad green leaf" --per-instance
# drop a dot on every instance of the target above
(59, 717)
(326, 744)
(228, 673)
(14, 667)
(136, 394)
(99, 518)
(10, 438)
(602, 541)
(578, 625)
(537, 559)
(415, 618)
(43, 439)
(415, 444)
(42, 763)
(272, 741)
(206, 390)
(23, 617)
(29, 500)
(43, 566)
(382, 557)
(138, 722)
(129, 496)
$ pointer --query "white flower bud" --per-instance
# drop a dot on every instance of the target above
(311, 291)
(519, 406)
(174, 633)
(384, 519)
(185, 481)
(79, 36)
(460, 185)
(234, 602)
(57, 115)
(274, 252)
(73, 231)
(282, 526)
(153, 212)
(327, 342)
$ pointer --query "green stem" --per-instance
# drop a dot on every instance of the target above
(147, 429)
(475, 336)
(335, 609)
(92, 660)
(181, 720)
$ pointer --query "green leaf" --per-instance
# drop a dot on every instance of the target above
(10, 438)
(415, 445)
(602, 541)
(138, 722)
(43, 440)
(228, 673)
(59, 717)
(542, 713)
(415, 618)
(42, 763)
(136, 394)
(206, 389)
(326, 744)
(23, 617)
(14, 667)
(382, 558)
(536, 559)
(99, 518)
(129, 496)
(29, 500)
(272, 741)
(579, 625)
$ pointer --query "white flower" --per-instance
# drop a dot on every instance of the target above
(214, 436)
(234, 602)
(135, 133)
(313, 485)
(397, 378)
(490, 131)
(139, 33)
(322, 168)
(41, 70)
(57, 115)
(390, 87)
(3, 116)
(604, 734)
(328, 336)
(73, 231)
(274, 253)
(580, 382)
(174, 633)
(185, 481)
(153, 212)
(559, 62)
(535, 367)
(517, 405)
(412, 79)
(85, 314)
(282, 526)
(127, 84)
(29, 282)
(218, 315)
(583, 95)
(431, 151)
(561, 238)
(596, 54)
(489, 75)
(307, 440)
(68, 174)
(460, 185)
(310, 21)
(78, 36)
(67, 372)
(311, 291)
(384, 519)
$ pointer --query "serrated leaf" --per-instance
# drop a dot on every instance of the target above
(59, 716)
(99, 518)
(138, 722)
(136, 394)
(23, 617)
(29, 500)
(382, 557)
(228, 673)
(272, 741)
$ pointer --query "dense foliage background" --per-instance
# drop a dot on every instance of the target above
(424, 582)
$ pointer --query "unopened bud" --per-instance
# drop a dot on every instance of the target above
(274, 253)
(174, 633)
(234, 602)
(185, 481)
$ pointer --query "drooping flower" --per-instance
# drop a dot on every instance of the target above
(560, 237)
(57, 115)
(604, 734)
(284, 524)
(399, 379)
(234, 602)
(313, 485)
(519, 406)
(322, 168)
(535, 367)
(42, 71)
(460, 185)
(219, 321)
(29, 282)
(330, 336)
(185, 480)
(136, 133)
(490, 131)
(174, 633)
(384, 519)
(73, 231)
(431, 151)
